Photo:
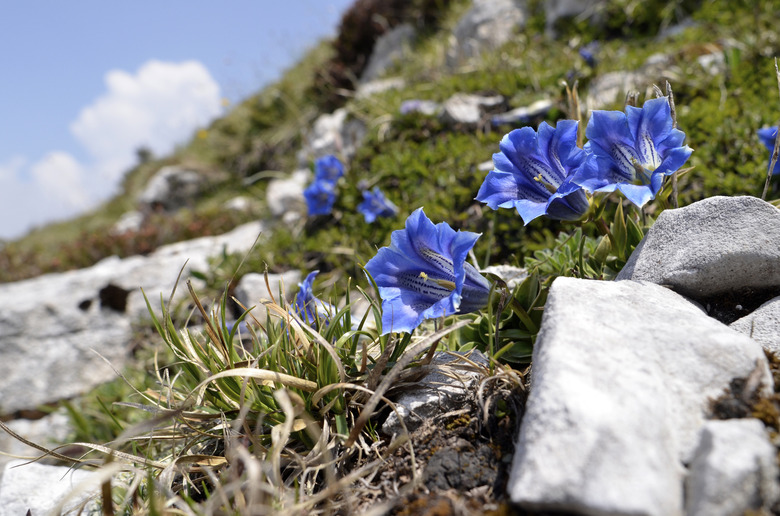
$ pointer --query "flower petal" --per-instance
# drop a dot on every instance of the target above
(423, 272)
(609, 137)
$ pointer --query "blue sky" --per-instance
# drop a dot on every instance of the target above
(84, 83)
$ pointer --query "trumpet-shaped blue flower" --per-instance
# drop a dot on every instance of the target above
(767, 137)
(632, 151)
(328, 168)
(320, 197)
(375, 204)
(533, 173)
(424, 274)
(588, 53)
(309, 307)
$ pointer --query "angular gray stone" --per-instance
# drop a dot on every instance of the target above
(486, 26)
(437, 393)
(171, 188)
(513, 276)
(130, 222)
(762, 325)
(608, 88)
(40, 488)
(240, 203)
(286, 195)
(252, 289)
(52, 327)
(554, 10)
(717, 245)
(49, 431)
(335, 133)
(465, 108)
(734, 470)
(368, 89)
(524, 113)
(623, 374)
(390, 48)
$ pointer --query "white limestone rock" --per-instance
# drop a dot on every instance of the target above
(252, 290)
(437, 393)
(734, 470)
(487, 25)
(512, 275)
(390, 48)
(623, 374)
(129, 222)
(171, 188)
(55, 328)
(762, 325)
(371, 88)
(523, 113)
(554, 10)
(40, 488)
(466, 108)
(335, 133)
(48, 431)
(716, 245)
(286, 195)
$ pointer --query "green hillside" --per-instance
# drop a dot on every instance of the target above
(426, 163)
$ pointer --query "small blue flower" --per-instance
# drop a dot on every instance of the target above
(588, 53)
(328, 168)
(424, 274)
(767, 136)
(533, 173)
(632, 151)
(310, 308)
(375, 204)
(320, 197)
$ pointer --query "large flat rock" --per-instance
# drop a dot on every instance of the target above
(59, 331)
(717, 245)
(623, 374)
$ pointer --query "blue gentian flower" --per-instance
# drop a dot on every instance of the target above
(533, 173)
(588, 53)
(632, 151)
(767, 137)
(310, 308)
(328, 168)
(424, 274)
(375, 204)
(320, 197)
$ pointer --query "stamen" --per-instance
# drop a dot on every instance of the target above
(445, 283)
(550, 188)
(441, 282)
(642, 174)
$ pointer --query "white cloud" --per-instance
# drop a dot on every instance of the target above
(157, 107)
(61, 181)
(51, 188)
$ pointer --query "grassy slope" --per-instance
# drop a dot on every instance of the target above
(421, 163)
